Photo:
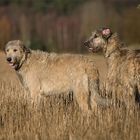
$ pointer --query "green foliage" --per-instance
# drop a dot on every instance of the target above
(37, 44)
(62, 6)
(19, 2)
(4, 2)
(39, 5)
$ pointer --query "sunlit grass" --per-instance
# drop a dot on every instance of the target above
(59, 117)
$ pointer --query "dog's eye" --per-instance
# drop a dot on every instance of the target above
(15, 50)
(7, 50)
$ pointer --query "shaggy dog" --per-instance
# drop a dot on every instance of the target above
(123, 78)
(45, 73)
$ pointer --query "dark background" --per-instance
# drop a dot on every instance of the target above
(63, 25)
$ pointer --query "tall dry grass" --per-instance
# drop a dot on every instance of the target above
(59, 118)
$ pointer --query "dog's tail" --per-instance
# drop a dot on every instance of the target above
(95, 97)
(98, 100)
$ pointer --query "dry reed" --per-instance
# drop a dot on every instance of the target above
(59, 118)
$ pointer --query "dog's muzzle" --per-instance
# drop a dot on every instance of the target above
(12, 63)
(9, 59)
(86, 44)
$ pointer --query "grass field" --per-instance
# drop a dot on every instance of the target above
(59, 117)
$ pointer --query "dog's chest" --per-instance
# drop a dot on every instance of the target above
(22, 79)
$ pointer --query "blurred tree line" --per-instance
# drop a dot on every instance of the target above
(63, 25)
(62, 6)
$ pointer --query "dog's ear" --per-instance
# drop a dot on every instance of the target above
(106, 32)
(25, 49)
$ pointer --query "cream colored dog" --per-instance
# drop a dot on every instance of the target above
(50, 73)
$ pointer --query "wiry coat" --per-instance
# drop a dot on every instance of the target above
(123, 71)
(123, 78)
(50, 73)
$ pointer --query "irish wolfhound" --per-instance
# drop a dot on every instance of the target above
(50, 73)
(123, 64)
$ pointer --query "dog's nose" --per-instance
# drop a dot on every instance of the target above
(86, 43)
(9, 59)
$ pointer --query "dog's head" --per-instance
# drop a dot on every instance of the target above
(16, 53)
(98, 40)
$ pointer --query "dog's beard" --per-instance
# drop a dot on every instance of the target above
(14, 64)
(95, 49)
